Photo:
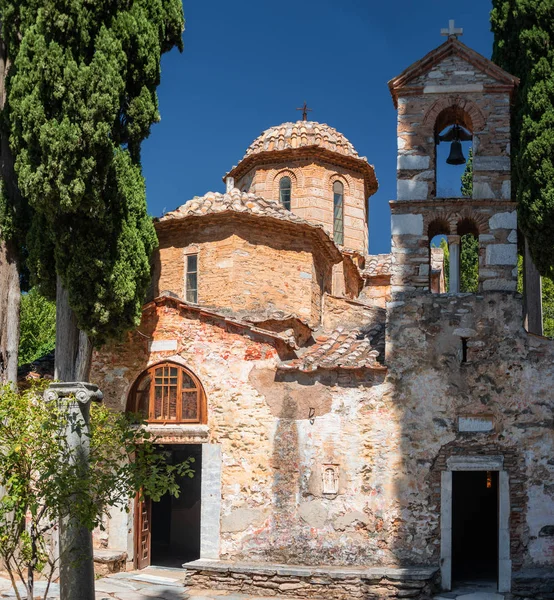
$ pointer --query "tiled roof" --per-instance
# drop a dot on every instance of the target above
(377, 265)
(239, 202)
(167, 297)
(301, 133)
(306, 138)
(342, 349)
(233, 201)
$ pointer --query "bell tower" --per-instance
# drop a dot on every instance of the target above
(451, 96)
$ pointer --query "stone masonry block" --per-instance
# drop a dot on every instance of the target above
(407, 189)
(504, 220)
(501, 254)
(407, 224)
(491, 163)
(412, 162)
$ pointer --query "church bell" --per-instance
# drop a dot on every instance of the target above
(456, 135)
(456, 156)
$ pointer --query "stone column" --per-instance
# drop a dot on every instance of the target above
(454, 250)
(75, 541)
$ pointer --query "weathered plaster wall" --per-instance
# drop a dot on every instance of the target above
(387, 439)
(312, 194)
(508, 376)
(245, 265)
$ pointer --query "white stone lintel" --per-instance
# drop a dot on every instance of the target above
(453, 89)
(475, 463)
(162, 345)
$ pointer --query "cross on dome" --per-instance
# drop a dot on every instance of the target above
(452, 31)
(305, 110)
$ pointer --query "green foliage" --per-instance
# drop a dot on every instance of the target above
(467, 177)
(37, 327)
(42, 477)
(82, 98)
(469, 263)
(524, 46)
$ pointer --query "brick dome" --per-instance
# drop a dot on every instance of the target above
(302, 133)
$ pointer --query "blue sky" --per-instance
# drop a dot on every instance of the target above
(248, 64)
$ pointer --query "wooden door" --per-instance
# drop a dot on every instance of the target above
(143, 536)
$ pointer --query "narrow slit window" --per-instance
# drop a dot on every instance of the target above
(338, 212)
(191, 278)
(285, 192)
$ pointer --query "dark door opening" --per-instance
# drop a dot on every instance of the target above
(175, 522)
(474, 526)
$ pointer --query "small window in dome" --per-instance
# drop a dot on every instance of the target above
(285, 192)
(338, 212)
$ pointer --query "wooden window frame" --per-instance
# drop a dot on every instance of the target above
(132, 404)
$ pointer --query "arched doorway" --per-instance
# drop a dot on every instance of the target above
(167, 532)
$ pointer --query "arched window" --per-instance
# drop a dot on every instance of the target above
(338, 212)
(285, 192)
(168, 393)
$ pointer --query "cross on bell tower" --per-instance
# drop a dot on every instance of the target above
(452, 31)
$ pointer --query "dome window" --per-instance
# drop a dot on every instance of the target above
(338, 212)
(285, 192)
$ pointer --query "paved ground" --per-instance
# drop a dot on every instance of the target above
(149, 584)
(167, 584)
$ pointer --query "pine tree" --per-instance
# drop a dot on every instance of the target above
(81, 99)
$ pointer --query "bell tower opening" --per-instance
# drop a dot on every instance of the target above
(453, 154)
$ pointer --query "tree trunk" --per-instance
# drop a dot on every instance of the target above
(10, 299)
(73, 348)
(10, 292)
(532, 294)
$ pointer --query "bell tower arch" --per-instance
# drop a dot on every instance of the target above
(453, 96)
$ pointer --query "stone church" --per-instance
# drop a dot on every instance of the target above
(357, 431)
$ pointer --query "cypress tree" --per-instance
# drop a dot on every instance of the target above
(524, 46)
(81, 99)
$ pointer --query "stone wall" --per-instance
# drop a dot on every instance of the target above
(507, 378)
(387, 441)
(312, 194)
(243, 266)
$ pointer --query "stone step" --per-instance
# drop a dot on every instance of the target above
(314, 582)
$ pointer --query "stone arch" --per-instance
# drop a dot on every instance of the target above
(469, 221)
(275, 176)
(344, 178)
(463, 110)
(439, 222)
